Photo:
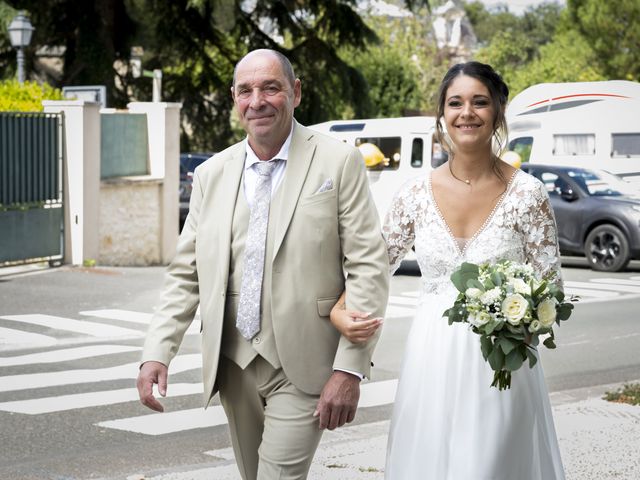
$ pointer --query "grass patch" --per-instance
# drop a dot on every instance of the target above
(628, 393)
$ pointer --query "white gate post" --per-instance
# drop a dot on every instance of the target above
(81, 185)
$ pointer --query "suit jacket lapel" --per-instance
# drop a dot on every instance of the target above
(231, 178)
(300, 155)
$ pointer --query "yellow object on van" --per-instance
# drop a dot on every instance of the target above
(371, 153)
(512, 158)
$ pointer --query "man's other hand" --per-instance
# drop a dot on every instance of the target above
(338, 400)
(152, 372)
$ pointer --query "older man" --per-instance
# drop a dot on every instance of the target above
(279, 225)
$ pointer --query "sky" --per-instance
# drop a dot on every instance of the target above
(518, 6)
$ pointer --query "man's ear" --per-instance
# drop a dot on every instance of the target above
(297, 92)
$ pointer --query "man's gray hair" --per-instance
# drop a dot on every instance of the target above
(287, 68)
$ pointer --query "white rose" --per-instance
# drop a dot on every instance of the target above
(478, 319)
(514, 308)
(520, 286)
(491, 296)
(534, 326)
(546, 312)
(473, 293)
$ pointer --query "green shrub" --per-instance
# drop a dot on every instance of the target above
(27, 97)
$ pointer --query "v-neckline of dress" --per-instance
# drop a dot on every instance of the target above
(484, 225)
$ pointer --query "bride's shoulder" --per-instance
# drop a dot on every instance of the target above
(526, 181)
(415, 186)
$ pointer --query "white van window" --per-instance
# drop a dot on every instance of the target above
(574, 144)
(417, 152)
(625, 145)
(522, 146)
(390, 148)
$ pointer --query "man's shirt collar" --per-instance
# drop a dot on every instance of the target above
(283, 154)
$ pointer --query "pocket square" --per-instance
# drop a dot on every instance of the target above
(326, 186)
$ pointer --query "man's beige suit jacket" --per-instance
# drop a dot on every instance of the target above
(324, 242)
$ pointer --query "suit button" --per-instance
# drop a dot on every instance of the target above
(257, 340)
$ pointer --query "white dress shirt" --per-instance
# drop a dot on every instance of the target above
(251, 176)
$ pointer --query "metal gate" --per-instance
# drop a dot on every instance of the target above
(31, 178)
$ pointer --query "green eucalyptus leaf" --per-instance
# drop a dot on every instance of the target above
(549, 343)
(514, 360)
(507, 345)
(496, 359)
(465, 272)
(486, 346)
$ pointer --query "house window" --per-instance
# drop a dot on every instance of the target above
(574, 144)
(625, 145)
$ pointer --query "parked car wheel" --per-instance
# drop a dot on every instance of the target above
(607, 249)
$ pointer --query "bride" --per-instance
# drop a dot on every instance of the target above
(447, 422)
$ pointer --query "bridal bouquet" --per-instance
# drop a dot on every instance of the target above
(510, 308)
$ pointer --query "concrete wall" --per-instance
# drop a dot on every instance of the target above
(131, 215)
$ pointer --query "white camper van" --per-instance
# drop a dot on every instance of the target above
(582, 124)
(395, 150)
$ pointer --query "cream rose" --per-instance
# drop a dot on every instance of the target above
(514, 308)
(473, 293)
(520, 286)
(546, 312)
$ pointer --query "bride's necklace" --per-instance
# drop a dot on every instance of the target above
(467, 181)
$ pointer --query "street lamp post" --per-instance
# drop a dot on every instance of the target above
(20, 30)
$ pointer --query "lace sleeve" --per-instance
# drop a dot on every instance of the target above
(541, 237)
(398, 229)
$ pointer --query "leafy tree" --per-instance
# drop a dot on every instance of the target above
(613, 31)
(545, 47)
(402, 71)
(568, 58)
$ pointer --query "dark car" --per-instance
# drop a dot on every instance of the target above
(598, 214)
(188, 163)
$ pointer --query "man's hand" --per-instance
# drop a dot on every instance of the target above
(338, 400)
(150, 373)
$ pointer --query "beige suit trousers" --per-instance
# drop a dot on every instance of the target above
(273, 431)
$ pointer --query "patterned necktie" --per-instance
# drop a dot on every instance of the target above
(248, 320)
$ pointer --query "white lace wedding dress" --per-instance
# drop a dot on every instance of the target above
(447, 422)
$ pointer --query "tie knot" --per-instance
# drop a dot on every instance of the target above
(266, 168)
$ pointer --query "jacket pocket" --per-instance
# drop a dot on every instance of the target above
(325, 304)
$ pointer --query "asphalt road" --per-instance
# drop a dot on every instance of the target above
(70, 339)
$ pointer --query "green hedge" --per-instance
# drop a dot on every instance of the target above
(27, 97)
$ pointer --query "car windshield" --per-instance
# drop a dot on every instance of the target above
(599, 183)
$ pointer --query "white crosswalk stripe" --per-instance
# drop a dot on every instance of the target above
(63, 355)
(60, 403)
(28, 381)
(138, 317)
(77, 326)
